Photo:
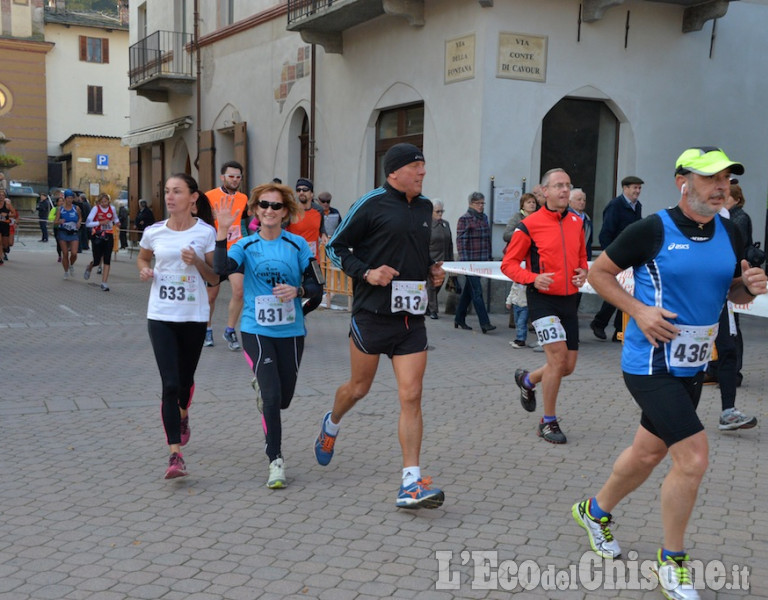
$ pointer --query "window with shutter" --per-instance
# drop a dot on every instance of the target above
(95, 50)
(95, 100)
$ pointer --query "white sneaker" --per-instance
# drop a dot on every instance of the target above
(71, 271)
(733, 418)
(231, 338)
(600, 537)
(208, 338)
(104, 287)
(66, 274)
(276, 474)
(675, 579)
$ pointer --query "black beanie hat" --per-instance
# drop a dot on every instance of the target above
(400, 155)
(303, 182)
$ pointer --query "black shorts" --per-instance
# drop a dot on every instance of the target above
(393, 335)
(566, 308)
(5, 229)
(668, 404)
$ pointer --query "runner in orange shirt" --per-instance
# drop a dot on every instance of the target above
(309, 226)
(231, 177)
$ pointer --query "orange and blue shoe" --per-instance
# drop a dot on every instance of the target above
(324, 443)
(420, 495)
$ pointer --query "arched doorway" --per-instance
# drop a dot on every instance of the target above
(395, 126)
(582, 137)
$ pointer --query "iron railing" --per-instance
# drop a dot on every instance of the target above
(161, 53)
(298, 9)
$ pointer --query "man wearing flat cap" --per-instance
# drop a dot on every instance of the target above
(622, 211)
(687, 261)
(383, 245)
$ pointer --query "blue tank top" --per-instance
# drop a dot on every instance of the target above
(690, 278)
(70, 219)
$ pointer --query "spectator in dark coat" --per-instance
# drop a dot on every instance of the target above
(440, 249)
(145, 218)
(622, 211)
(44, 206)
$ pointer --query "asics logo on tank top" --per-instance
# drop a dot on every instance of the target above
(674, 246)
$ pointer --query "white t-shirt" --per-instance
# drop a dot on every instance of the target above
(178, 291)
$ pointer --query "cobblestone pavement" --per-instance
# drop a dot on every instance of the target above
(86, 514)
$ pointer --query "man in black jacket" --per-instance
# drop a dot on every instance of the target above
(145, 217)
(383, 245)
(44, 206)
(622, 211)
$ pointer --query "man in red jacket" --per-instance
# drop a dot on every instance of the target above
(551, 242)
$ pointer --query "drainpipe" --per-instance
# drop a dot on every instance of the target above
(312, 110)
(198, 69)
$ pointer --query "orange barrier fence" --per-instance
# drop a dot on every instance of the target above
(336, 282)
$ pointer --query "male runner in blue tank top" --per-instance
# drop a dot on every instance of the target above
(687, 261)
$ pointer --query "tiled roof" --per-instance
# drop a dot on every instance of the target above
(83, 19)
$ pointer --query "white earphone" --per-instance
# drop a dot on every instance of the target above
(682, 189)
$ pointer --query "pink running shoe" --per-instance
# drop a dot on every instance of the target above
(185, 431)
(176, 467)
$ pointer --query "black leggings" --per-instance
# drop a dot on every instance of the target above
(275, 362)
(102, 249)
(177, 348)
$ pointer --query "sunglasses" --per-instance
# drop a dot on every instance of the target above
(302, 189)
(273, 205)
(324, 201)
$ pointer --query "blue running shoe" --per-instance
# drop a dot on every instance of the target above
(420, 495)
(324, 443)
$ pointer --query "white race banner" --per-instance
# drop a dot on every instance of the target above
(492, 270)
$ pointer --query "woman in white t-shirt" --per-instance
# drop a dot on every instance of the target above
(177, 312)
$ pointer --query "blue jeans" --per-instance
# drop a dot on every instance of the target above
(521, 322)
(472, 292)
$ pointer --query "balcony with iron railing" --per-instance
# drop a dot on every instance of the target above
(160, 64)
(323, 21)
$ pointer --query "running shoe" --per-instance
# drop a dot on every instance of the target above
(231, 338)
(324, 443)
(208, 338)
(71, 270)
(87, 272)
(99, 270)
(66, 274)
(517, 344)
(527, 397)
(104, 287)
(420, 495)
(600, 537)
(675, 578)
(259, 401)
(176, 467)
(551, 432)
(186, 432)
(733, 418)
(598, 331)
(276, 474)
